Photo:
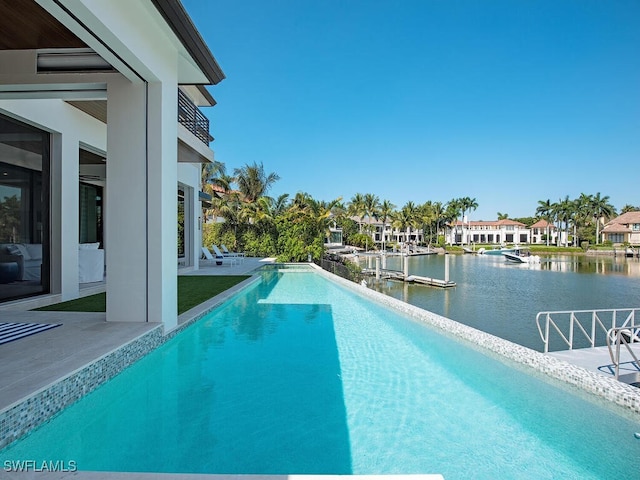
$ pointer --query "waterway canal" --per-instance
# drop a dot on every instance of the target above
(503, 299)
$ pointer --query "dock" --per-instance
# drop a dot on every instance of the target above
(597, 359)
(400, 276)
(433, 282)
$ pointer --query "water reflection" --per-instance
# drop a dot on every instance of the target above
(503, 298)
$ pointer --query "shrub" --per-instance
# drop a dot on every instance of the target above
(362, 240)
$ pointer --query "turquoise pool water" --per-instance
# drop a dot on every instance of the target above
(298, 375)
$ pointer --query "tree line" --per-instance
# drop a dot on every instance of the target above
(294, 228)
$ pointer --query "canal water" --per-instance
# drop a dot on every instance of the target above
(503, 298)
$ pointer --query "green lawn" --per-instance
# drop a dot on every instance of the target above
(192, 290)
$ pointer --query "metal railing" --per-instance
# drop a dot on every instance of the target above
(193, 119)
(616, 337)
(587, 324)
(336, 265)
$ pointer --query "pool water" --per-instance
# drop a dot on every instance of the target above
(299, 375)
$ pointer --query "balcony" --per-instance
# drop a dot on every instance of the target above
(192, 118)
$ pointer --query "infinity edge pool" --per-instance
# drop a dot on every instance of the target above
(20, 418)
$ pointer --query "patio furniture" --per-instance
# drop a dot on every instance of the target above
(230, 258)
(219, 259)
(8, 272)
(90, 263)
(28, 256)
(227, 253)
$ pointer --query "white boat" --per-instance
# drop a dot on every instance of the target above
(497, 251)
(521, 256)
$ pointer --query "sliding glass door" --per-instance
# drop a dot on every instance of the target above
(24, 210)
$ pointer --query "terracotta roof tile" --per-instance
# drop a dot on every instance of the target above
(615, 228)
(626, 218)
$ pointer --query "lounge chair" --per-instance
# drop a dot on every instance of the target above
(220, 256)
(219, 259)
(227, 253)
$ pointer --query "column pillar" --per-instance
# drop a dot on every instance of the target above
(125, 210)
(162, 199)
(141, 210)
(65, 172)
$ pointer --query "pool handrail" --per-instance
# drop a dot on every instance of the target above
(622, 336)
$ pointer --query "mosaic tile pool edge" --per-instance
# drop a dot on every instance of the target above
(608, 389)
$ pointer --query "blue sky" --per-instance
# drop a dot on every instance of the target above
(508, 102)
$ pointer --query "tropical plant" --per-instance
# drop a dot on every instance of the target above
(467, 204)
(602, 210)
(385, 212)
(405, 219)
(439, 213)
(562, 211)
(253, 182)
(454, 209)
(544, 210)
(356, 208)
(629, 208)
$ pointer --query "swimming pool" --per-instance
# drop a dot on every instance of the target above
(296, 374)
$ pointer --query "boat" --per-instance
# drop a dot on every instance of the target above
(421, 251)
(521, 256)
(468, 250)
(496, 250)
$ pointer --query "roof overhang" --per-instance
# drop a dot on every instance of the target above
(80, 36)
(177, 18)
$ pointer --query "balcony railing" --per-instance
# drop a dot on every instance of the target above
(193, 119)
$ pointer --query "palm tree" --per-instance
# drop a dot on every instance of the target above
(371, 206)
(602, 210)
(629, 208)
(562, 213)
(357, 208)
(385, 211)
(214, 182)
(502, 216)
(581, 215)
(467, 203)
(544, 210)
(280, 204)
(405, 219)
(253, 182)
(211, 172)
(427, 217)
(231, 211)
(439, 213)
(454, 208)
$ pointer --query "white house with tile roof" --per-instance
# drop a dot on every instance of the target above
(496, 232)
(541, 229)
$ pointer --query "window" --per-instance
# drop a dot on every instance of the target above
(90, 213)
(181, 232)
(24, 210)
(616, 237)
(635, 227)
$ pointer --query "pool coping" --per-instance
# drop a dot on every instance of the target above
(608, 392)
(23, 416)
